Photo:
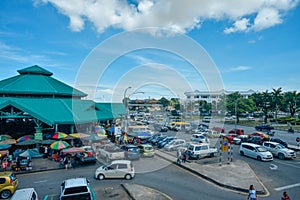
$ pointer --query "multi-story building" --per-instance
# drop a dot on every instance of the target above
(213, 96)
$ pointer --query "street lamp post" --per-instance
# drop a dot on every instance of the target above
(125, 101)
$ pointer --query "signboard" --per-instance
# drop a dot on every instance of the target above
(38, 136)
(224, 146)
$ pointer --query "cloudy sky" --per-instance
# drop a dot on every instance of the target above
(154, 48)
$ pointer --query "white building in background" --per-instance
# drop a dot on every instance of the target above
(213, 96)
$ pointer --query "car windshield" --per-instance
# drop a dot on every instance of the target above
(148, 148)
(261, 149)
(172, 142)
(133, 149)
(280, 146)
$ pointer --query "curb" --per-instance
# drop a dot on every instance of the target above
(212, 180)
(127, 191)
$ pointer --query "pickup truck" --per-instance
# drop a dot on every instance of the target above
(200, 150)
(111, 152)
(279, 150)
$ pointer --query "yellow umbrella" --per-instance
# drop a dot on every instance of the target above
(59, 145)
(79, 135)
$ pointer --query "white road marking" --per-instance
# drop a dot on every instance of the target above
(286, 163)
(41, 181)
(273, 167)
(287, 187)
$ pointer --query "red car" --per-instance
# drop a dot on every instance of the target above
(230, 138)
(219, 129)
(261, 135)
(237, 131)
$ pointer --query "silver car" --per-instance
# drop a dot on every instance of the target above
(117, 169)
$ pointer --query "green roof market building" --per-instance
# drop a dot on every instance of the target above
(35, 102)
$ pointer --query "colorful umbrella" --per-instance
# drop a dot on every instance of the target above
(59, 135)
(23, 138)
(59, 145)
(79, 135)
(5, 137)
(28, 142)
(73, 150)
(8, 141)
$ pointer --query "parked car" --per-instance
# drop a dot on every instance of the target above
(8, 184)
(146, 150)
(255, 151)
(237, 131)
(200, 150)
(279, 150)
(25, 194)
(158, 139)
(117, 169)
(86, 157)
(261, 135)
(132, 152)
(165, 141)
(279, 141)
(201, 138)
(76, 188)
(264, 127)
(164, 129)
(231, 137)
(255, 140)
(111, 152)
(219, 129)
(213, 134)
(174, 144)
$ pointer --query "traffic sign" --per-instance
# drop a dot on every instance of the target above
(225, 144)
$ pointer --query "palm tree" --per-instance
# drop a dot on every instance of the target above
(276, 99)
(291, 99)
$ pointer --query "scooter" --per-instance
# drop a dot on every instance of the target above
(271, 133)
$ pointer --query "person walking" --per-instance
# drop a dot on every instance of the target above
(66, 162)
(4, 163)
(252, 193)
(178, 156)
(285, 196)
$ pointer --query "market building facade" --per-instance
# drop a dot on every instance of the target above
(34, 102)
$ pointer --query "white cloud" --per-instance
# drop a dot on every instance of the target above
(241, 68)
(174, 15)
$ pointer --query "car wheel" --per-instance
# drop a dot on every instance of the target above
(281, 156)
(258, 158)
(5, 194)
(212, 155)
(128, 177)
(242, 153)
(101, 177)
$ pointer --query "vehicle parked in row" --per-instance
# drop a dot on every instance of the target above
(132, 152)
(111, 152)
(255, 140)
(260, 134)
(279, 150)
(165, 141)
(285, 144)
(264, 127)
(213, 134)
(201, 138)
(255, 151)
(86, 157)
(76, 188)
(158, 139)
(219, 129)
(8, 184)
(146, 150)
(240, 139)
(117, 169)
(25, 194)
(200, 150)
(237, 131)
(174, 144)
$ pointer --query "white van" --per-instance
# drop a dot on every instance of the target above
(25, 194)
(255, 151)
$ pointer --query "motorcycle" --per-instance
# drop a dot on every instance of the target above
(271, 133)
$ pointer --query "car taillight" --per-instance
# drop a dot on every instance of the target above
(10, 181)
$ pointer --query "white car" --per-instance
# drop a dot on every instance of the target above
(174, 144)
(201, 138)
(255, 151)
(76, 188)
(279, 150)
(25, 194)
(117, 169)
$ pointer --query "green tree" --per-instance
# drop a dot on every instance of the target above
(276, 100)
(292, 100)
(233, 102)
(263, 102)
(165, 102)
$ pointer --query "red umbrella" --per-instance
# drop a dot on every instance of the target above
(23, 138)
(59, 135)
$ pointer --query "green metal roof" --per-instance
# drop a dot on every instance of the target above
(64, 111)
(35, 80)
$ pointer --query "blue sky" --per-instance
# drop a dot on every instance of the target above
(235, 45)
